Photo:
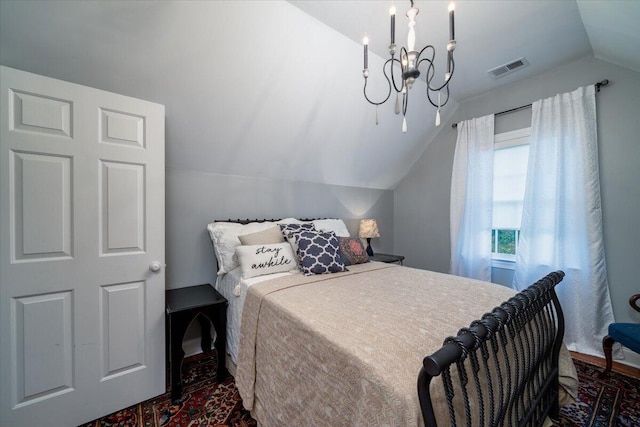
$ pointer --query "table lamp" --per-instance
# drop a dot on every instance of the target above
(368, 230)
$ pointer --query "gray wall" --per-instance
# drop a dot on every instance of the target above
(194, 199)
(421, 200)
(255, 88)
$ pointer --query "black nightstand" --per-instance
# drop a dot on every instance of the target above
(183, 305)
(388, 258)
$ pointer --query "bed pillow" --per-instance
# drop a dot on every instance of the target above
(296, 226)
(289, 221)
(224, 236)
(352, 251)
(335, 225)
(266, 237)
(318, 252)
(258, 260)
(289, 228)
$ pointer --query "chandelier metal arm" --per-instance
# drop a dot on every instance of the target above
(393, 80)
(431, 68)
(384, 71)
(405, 102)
(433, 53)
(435, 104)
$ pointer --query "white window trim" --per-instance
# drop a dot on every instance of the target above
(503, 263)
(509, 139)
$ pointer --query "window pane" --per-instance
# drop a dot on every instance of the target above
(506, 242)
(509, 176)
(494, 240)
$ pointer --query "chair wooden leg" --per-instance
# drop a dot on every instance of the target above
(607, 346)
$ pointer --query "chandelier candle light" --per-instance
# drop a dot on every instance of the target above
(409, 64)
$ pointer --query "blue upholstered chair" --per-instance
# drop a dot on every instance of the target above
(627, 334)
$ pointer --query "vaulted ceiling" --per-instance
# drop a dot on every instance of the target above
(273, 89)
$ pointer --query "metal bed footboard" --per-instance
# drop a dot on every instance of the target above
(502, 370)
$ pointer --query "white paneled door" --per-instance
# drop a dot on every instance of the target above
(81, 222)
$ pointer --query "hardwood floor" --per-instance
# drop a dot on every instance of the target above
(617, 366)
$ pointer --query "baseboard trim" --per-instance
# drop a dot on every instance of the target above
(629, 366)
(630, 358)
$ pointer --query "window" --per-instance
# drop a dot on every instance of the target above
(511, 154)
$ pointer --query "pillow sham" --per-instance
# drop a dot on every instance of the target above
(289, 221)
(266, 237)
(352, 251)
(318, 252)
(258, 260)
(224, 236)
(335, 225)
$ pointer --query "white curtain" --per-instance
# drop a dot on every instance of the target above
(562, 217)
(472, 199)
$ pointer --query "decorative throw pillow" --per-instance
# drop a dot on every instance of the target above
(352, 251)
(289, 228)
(318, 252)
(257, 260)
(335, 225)
(266, 237)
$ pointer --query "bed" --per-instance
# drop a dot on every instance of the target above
(349, 348)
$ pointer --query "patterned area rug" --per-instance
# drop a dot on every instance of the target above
(612, 401)
(205, 402)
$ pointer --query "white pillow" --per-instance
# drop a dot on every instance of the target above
(335, 225)
(258, 260)
(225, 240)
(289, 221)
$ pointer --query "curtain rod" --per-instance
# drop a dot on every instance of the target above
(597, 85)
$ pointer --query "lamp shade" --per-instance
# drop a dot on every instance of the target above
(368, 228)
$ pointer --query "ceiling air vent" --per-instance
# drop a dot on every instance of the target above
(505, 69)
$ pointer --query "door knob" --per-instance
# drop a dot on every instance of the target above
(155, 266)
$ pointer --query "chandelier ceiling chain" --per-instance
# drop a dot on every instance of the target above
(409, 62)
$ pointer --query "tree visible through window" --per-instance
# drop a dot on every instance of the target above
(504, 241)
(511, 154)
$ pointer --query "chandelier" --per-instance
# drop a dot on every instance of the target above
(409, 64)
